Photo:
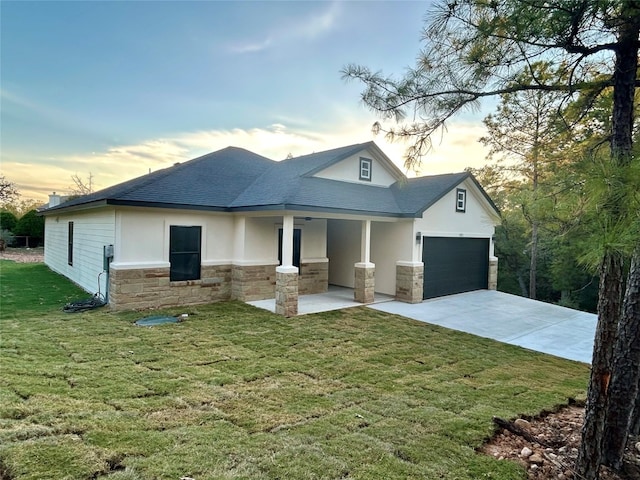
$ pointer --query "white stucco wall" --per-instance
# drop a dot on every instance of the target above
(343, 250)
(142, 236)
(348, 170)
(390, 243)
(442, 220)
(261, 239)
(314, 240)
(92, 230)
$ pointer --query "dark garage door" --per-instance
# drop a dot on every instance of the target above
(454, 265)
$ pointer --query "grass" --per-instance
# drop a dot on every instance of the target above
(239, 393)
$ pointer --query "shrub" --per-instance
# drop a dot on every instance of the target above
(6, 239)
(30, 224)
(8, 221)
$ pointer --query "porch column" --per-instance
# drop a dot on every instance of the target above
(364, 284)
(287, 274)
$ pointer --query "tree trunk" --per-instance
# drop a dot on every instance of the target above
(534, 260)
(590, 455)
(609, 300)
(523, 285)
(623, 389)
(634, 428)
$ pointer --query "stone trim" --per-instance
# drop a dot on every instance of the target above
(409, 283)
(493, 274)
(364, 285)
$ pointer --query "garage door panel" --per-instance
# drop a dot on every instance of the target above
(454, 265)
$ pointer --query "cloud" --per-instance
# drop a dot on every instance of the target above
(307, 28)
(458, 149)
(14, 100)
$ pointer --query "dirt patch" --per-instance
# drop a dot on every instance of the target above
(23, 255)
(553, 455)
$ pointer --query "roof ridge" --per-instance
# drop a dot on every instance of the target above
(324, 152)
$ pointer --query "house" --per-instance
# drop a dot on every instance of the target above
(235, 225)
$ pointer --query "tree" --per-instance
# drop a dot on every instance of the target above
(477, 49)
(511, 238)
(7, 221)
(519, 137)
(22, 206)
(30, 224)
(8, 191)
(80, 187)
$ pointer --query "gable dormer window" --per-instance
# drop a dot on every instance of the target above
(365, 169)
(461, 200)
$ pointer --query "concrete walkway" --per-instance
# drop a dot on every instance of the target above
(538, 326)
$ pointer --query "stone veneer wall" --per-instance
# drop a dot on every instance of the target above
(409, 283)
(150, 288)
(253, 282)
(493, 274)
(314, 278)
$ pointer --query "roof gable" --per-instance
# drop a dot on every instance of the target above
(345, 166)
(420, 193)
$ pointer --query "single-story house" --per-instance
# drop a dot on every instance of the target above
(235, 225)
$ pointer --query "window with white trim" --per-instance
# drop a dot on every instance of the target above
(365, 169)
(461, 200)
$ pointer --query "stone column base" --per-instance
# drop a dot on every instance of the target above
(287, 291)
(364, 286)
(493, 273)
(409, 281)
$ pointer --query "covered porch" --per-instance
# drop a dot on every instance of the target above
(358, 253)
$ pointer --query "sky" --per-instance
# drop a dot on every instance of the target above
(115, 89)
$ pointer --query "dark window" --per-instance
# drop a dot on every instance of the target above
(70, 244)
(461, 200)
(184, 253)
(297, 233)
(365, 169)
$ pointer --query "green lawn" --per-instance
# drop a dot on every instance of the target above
(237, 392)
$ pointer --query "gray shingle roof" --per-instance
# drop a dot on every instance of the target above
(234, 179)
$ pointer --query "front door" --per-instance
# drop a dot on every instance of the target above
(297, 234)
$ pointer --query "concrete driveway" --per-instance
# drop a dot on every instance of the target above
(538, 326)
